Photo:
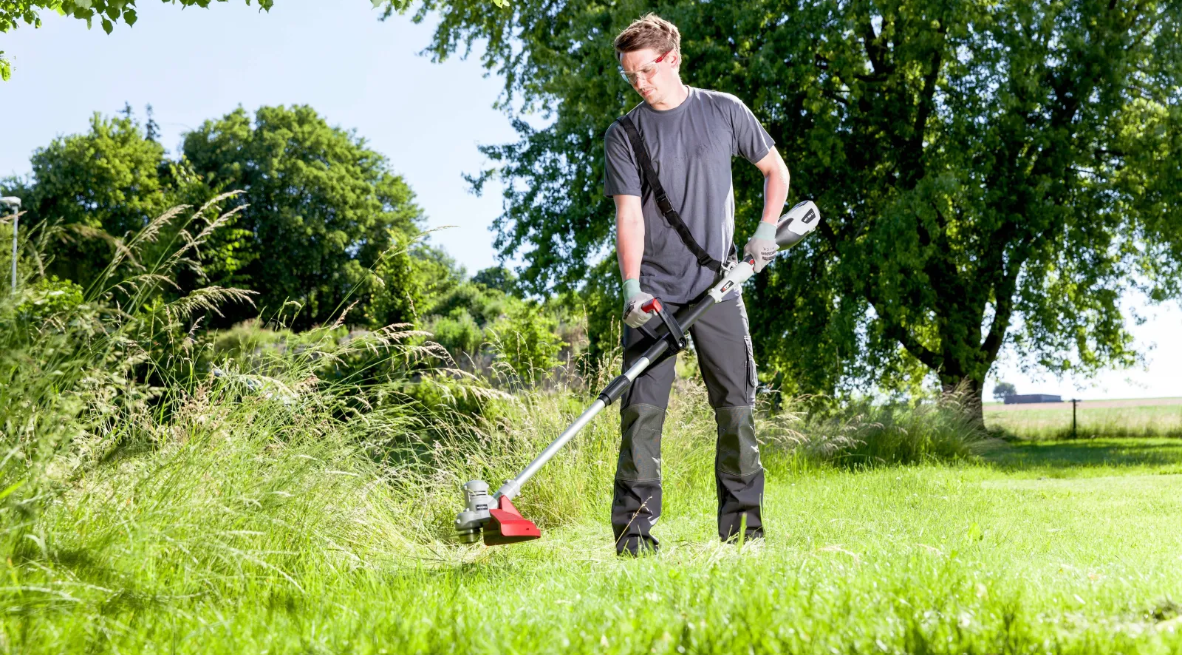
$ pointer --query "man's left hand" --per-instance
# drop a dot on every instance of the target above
(762, 246)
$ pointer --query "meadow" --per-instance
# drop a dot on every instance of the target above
(237, 537)
(1150, 417)
(158, 495)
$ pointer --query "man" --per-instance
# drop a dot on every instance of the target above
(690, 135)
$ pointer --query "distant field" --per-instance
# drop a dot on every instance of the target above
(1147, 417)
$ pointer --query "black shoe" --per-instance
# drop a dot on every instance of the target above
(752, 535)
(637, 546)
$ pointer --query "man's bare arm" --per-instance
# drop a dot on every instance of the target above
(629, 236)
(775, 185)
(761, 248)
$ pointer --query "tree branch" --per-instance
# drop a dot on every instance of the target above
(918, 350)
(912, 160)
(1003, 306)
(875, 51)
(895, 330)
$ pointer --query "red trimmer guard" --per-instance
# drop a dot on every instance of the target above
(508, 526)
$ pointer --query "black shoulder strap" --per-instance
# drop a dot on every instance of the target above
(671, 215)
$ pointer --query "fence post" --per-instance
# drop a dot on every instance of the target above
(1074, 402)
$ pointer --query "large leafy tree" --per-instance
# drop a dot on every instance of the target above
(991, 172)
(97, 187)
(320, 206)
(322, 221)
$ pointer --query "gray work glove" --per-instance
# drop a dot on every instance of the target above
(633, 298)
(762, 246)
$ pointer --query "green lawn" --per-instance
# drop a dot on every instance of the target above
(1047, 547)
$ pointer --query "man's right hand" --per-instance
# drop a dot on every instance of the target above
(634, 298)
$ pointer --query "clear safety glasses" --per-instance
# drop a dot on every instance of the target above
(646, 71)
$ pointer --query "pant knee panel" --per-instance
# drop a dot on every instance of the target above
(738, 449)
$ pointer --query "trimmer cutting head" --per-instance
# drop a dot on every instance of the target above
(496, 518)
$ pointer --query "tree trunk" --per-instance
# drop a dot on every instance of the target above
(966, 391)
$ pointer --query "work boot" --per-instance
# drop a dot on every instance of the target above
(637, 546)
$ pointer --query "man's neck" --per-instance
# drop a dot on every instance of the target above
(679, 96)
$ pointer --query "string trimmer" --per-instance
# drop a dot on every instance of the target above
(495, 515)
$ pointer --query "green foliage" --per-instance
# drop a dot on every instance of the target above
(411, 278)
(99, 186)
(77, 367)
(49, 300)
(401, 287)
(525, 341)
(496, 277)
(988, 173)
(318, 210)
(321, 206)
(483, 304)
(458, 332)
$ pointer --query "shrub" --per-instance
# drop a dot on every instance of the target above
(526, 343)
(458, 333)
(46, 300)
(484, 305)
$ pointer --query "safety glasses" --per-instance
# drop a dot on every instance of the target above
(646, 71)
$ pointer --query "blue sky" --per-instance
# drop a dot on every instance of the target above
(362, 74)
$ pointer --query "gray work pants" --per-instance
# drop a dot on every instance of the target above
(722, 341)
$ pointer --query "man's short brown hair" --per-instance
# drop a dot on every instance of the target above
(649, 31)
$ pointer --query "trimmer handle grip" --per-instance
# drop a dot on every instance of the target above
(675, 334)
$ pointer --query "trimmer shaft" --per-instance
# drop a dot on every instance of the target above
(495, 516)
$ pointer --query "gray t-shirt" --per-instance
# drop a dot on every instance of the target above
(691, 147)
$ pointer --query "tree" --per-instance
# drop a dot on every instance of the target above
(99, 187)
(989, 172)
(320, 206)
(526, 342)
(1003, 390)
(410, 280)
(496, 277)
(318, 210)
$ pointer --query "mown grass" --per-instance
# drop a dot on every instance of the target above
(1145, 420)
(147, 505)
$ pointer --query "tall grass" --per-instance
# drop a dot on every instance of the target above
(1145, 420)
(147, 467)
(859, 434)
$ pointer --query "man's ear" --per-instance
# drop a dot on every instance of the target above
(675, 61)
